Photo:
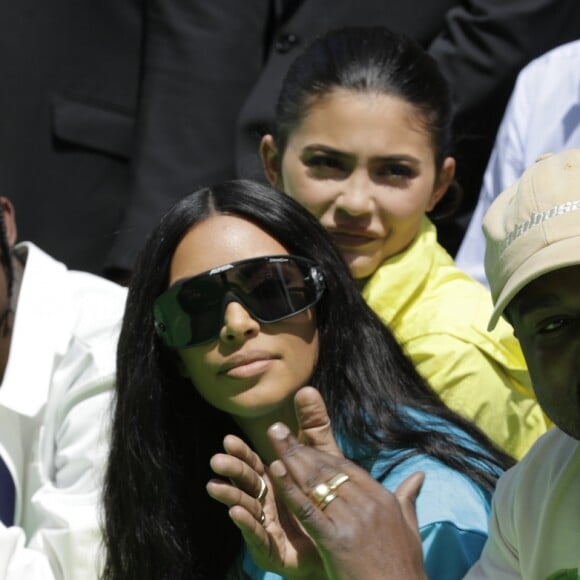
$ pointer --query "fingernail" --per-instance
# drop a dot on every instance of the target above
(279, 431)
(277, 468)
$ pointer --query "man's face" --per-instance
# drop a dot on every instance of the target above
(546, 317)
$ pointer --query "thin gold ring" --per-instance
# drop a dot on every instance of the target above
(338, 480)
(263, 490)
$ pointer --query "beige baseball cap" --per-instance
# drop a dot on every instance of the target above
(533, 227)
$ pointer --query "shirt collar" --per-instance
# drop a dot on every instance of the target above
(399, 279)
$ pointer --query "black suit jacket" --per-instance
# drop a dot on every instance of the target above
(112, 109)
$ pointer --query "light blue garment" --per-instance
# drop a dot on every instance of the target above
(452, 512)
(542, 116)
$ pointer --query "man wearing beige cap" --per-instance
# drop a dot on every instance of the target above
(532, 262)
(533, 266)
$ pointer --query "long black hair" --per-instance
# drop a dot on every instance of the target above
(372, 60)
(160, 522)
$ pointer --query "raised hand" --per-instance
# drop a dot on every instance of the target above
(274, 538)
(362, 531)
(314, 422)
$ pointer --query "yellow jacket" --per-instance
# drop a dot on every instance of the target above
(439, 315)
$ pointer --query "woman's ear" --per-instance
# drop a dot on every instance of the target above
(271, 161)
(445, 177)
(9, 220)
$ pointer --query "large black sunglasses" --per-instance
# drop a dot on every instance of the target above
(271, 288)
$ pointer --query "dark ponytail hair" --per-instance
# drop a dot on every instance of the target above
(371, 60)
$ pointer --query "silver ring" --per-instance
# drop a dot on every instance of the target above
(263, 490)
(262, 518)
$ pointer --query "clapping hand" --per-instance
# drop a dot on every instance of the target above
(275, 539)
(362, 531)
(349, 528)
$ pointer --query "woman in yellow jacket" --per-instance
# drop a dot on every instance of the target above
(362, 140)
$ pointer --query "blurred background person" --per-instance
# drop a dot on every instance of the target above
(58, 337)
(542, 116)
(362, 139)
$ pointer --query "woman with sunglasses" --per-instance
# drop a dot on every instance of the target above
(238, 300)
(362, 139)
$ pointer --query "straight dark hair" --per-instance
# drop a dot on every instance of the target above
(159, 521)
(371, 60)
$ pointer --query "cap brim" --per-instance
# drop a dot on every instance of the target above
(553, 257)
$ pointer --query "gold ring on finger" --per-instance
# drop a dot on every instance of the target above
(337, 481)
(324, 493)
(320, 493)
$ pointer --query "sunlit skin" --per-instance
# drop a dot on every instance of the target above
(546, 317)
(252, 370)
(364, 165)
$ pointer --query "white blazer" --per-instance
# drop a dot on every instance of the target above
(54, 416)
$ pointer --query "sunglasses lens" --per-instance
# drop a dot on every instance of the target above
(188, 313)
(202, 302)
(270, 288)
(282, 292)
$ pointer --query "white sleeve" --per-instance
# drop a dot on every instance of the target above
(60, 537)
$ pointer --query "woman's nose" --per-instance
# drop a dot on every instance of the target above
(356, 198)
(238, 323)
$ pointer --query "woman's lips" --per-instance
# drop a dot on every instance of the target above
(251, 369)
(244, 365)
(352, 240)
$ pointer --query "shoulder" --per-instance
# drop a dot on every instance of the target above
(545, 471)
(547, 82)
(437, 499)
(534, 524)
(83, 313)
(552, 455)
(89, 290)
(566, 55)
(453, 531)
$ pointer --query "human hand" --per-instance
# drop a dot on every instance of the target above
(365, 532)
(313, 421)
(274, 538)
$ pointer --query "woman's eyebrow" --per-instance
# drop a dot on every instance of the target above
(318, 147)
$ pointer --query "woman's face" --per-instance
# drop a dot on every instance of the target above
(364, 165)
(252, 369)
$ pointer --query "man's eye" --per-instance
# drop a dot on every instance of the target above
(552, 325)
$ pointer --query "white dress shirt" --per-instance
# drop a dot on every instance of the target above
(542, 116)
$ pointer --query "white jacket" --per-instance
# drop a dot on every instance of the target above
(54, 416)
